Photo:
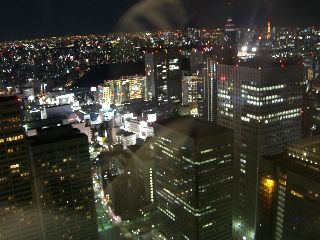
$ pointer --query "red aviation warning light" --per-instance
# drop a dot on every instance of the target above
(223, 78)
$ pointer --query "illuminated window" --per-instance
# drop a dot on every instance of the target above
(10, 150)
(15, 168)
(296, 194)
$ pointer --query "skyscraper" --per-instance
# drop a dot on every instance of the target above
(144, 165)
(63, 184)
(210, 89)
(290, 187)
(18, 214)
(121, 184)
(196, 61)
(261, 100)
(230, 45)
(194, 172)
(193, 93)
(163, 77)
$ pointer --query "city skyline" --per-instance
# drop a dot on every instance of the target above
(187, 133)
(38, 19)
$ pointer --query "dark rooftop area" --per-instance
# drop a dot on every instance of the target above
(98, 74)
(268, 62)
(126, 133)
(192, 127)
(143, 151)
(284, 161)
(8, 98)
(309, 144)
(56, 134)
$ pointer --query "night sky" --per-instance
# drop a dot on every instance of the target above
(25, 19)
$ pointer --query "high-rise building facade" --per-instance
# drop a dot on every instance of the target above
(63, 184)
(194, 171)
(210, 90)
(230, 44)
(196, 61)
(222, 55)
(290, 187)
(18, 213)
(144, 168)
(193, 93)
(163, 77)
(125, 89)
(230, 32)
(262, 102)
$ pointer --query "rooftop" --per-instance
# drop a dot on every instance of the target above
(268, 62)
(126, 133)
(192, 127)
(56, 134)
(311, 144)
(288, 162)
(142, 151)
(8, 98)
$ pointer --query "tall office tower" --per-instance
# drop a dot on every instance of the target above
(194, 173)
(193, 93)
(196, 61)
(210, 89)
(261, 101)
(164, 75)
(230, 32)
(121, 183)
(138, 161)
(18, 214)
(222, 55)
(63, 184)
(144, 165)
(311, 110)
(230, 45)
(291, 188)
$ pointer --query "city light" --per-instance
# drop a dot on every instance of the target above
(160, 130)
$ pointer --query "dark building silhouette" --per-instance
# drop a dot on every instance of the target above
(164, 77)
(121, 183)
(194, 172)
(63, 183)
(230, 44)
(290, 192)
(18, 213)
(144, 168)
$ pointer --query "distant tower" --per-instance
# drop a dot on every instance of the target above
(269, 29)
(163, 77)
(230, 38)
(230, 29)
